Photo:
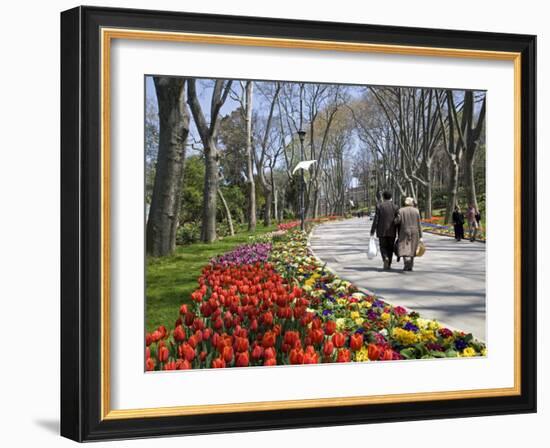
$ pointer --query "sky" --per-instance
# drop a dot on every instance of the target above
(229, 105)
(205, 91)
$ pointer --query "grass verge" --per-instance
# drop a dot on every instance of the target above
(170, 280)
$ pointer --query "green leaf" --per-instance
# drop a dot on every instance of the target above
(451, 353)
(408, 353)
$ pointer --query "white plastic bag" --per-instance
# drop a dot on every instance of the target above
(371, 253)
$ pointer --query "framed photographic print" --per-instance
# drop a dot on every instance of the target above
(276, 224)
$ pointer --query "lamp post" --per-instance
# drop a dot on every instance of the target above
(302, 135)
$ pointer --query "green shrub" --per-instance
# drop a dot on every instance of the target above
(188, 233)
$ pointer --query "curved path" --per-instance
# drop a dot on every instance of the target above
(447, 284)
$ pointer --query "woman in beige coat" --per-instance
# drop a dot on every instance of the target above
(410, 233)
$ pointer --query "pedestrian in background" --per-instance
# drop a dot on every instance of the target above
(458, 223)
(384, 226)
(472, 221)
(410, 232)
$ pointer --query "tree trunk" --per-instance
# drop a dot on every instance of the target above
(428, 190)
(276, 206)
(208, 134)
(209, 206)
(268, 202)
(163, 217)
(227, 213)
(249, 162)
(469, 178)
(453, 192)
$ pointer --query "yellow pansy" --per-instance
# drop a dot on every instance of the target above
(428, 335)
(468, 352)
(362, 354)
(405, 337)
(354, 314)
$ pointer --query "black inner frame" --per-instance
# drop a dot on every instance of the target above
(81, 224)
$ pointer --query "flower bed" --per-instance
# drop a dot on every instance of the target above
(440, 229)
(274, 303)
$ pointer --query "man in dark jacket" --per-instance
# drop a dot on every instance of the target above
(384, 226)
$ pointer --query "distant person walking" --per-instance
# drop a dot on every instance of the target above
(384, 226)
(410, 233)
(458, 223)
(471, 217)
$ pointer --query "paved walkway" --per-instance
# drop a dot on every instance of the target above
(447, 284)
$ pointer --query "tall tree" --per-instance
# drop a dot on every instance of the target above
(244, 96)
(163, 217)
(472, 139)
(412, 115)
(249, 158)
(453, 145)
(208, 135)
(263, 158)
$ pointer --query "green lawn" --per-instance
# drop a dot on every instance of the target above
(170, 280)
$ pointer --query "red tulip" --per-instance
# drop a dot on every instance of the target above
(267, 318)
(328, 348)
(317, 336)
(312, 358)
(316, 324)
(150, 364)
(330, 327)
(270, 362)
(192, 341)
(356, 341)
(186, 351)
(170, 365)
(206, 333)
(189, 317)
(183, 309)
(218, 363)
(291, 337)
(268, 339)
(156, 336)
(163, 331)
(257, 352)
(217, 323)
(163, 354)
(198, 324)
(253, 325)
(242, 360)
(183, 364)
(269, 353)
(241, 344)
(296, 356)
(148, 339)
(179, 334)
(338, 339)
(344, 355)
(147, 352)
(374, 352)
(227, 353)
(387, 355)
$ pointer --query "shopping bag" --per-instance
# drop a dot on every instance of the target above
(372, 251)
(420, 249)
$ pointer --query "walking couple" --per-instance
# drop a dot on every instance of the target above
(391, 221)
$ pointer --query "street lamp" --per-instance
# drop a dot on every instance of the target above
(302, 136)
